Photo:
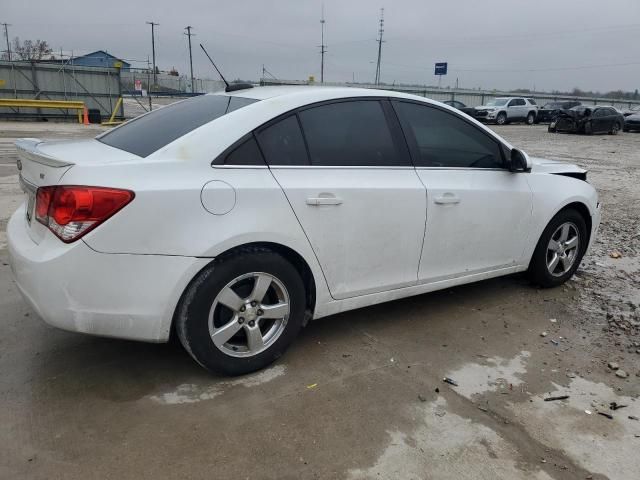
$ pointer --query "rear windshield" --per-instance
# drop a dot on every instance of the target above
(150, 132)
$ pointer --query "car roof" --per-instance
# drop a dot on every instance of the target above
(308, 93)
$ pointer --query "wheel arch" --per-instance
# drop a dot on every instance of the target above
(584, 211)
(289, 254)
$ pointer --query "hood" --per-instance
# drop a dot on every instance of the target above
(542, 165)
(485, 107)
(633, 116)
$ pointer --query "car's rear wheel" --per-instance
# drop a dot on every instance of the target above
(242, 312)
(559, 250)
(531, 118)
(501, 119)
(551, 129)
(615, 129)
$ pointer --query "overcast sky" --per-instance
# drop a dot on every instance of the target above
(503, 44)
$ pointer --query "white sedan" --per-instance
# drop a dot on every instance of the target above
(232, 219)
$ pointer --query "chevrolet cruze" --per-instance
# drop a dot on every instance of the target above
(230, 220)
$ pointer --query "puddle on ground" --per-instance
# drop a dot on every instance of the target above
(445, 445)
(598, 444)
(495, 373)
(192, 393)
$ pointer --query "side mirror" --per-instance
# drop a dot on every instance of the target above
(519, 161)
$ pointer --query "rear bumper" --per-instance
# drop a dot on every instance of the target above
(75, 288)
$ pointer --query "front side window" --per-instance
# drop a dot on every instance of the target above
(149, 133)
(442, 139)
(350, 133)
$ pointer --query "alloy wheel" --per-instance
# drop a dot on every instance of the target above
(249, 314)
(563, 249)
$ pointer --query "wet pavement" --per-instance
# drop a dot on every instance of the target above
(359, 395)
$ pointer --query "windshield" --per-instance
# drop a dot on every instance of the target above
(552, 106)
(148, 133)
(497, 102)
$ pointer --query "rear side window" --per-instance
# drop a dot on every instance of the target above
(282, 143)
(442, 139)
(351, 133)
(532, 101)
(149, 133)
(247, 153)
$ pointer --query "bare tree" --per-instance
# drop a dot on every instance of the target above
(29, 50)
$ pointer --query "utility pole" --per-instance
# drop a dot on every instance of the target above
(6, 36)
(323, 47)
(189, 34)
(153, 50)
(380, 41)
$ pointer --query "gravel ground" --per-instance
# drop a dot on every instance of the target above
(360, 394)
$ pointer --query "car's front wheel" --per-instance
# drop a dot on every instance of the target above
(559, 250)
(242, 312)
(615, 129)
(501, 119)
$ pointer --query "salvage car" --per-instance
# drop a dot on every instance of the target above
(461, 106)
(508, 109)
(588, 120)
(232, 219)
(632, 123)
(551, 109)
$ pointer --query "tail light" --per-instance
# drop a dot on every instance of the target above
(71, 211)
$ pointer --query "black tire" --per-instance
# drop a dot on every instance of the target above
(192, 314)
(531, 118)
(538, 271)
(615, 129)
(501, 119)
(551, 129)
(625, 129)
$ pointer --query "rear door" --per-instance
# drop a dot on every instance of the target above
(516, 109)
(478, 213)
(347, 174)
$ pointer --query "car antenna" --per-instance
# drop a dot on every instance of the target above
(229, 88)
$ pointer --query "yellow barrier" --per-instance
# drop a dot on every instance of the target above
(30, 103)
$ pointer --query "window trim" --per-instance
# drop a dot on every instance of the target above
(412, 143)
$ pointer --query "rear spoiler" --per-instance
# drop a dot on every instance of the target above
(28, 150)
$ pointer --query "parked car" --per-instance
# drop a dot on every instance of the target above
(232, 219)
(551, 109)
(634, 109)
(588, 119)
(461, 106)
(632, 122)
(508, 109)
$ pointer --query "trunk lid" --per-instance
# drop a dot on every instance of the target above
(45, 163)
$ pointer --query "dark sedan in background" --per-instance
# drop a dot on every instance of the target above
(551, 109)
(461, 106)
(632, 123)
(588, 120)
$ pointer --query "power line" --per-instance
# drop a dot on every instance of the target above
(189, 34)
(153, 50)
(6, 36)
(323, 47)
(380, 41)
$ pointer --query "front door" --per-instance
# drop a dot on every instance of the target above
(351, 185)
(478, 213)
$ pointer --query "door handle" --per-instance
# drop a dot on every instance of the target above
(447, 198)
(316, 201)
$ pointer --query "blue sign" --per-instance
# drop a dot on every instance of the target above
(441, 68)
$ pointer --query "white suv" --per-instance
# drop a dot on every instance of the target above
(508, 109)
(233, 219)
